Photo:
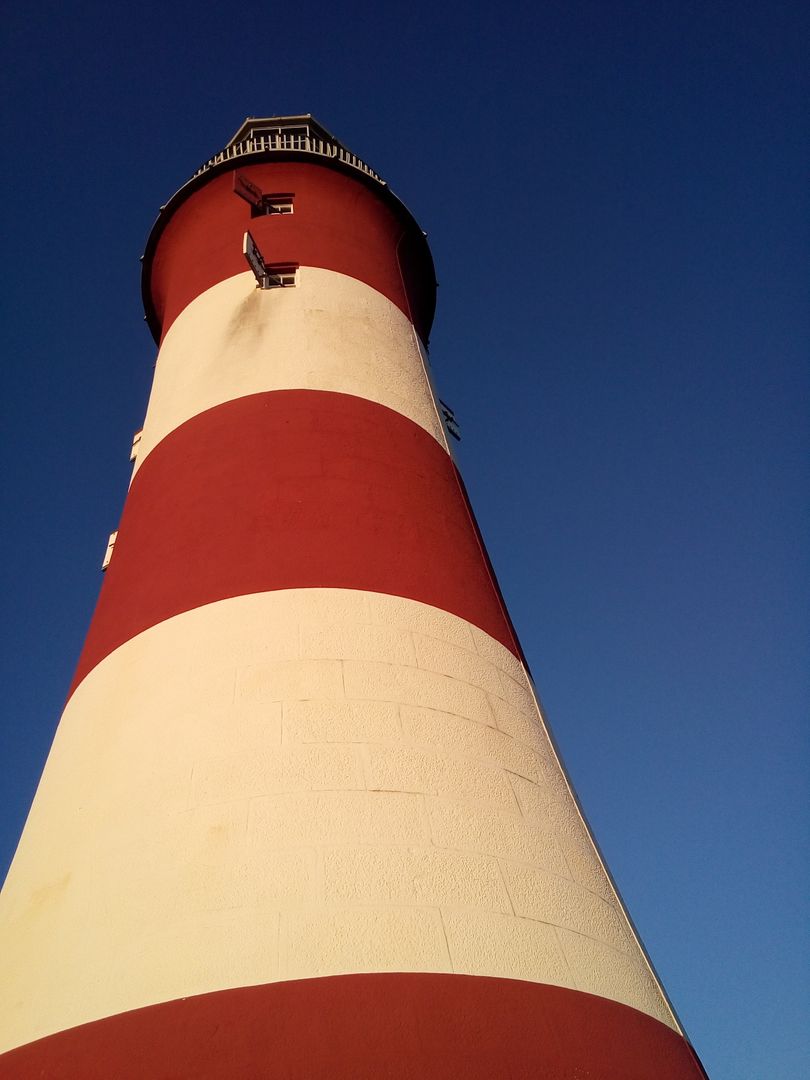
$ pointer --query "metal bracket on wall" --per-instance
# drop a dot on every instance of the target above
(450, 421)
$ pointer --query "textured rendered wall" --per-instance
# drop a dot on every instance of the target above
(330, 333)
(301, 742)
(302, 783)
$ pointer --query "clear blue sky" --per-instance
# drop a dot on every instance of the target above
(614, 194)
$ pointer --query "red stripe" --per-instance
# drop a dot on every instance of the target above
(292, 489)
(339, 224)
(364, 1027)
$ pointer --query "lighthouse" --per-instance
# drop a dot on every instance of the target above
(303, 817)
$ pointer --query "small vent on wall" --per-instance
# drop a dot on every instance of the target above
(136, 442)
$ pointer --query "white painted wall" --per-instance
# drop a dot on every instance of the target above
(296, 784)
(329, 332)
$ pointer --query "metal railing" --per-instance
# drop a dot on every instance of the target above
(289, 141)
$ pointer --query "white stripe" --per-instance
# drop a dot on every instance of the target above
(329, 332)
(295, 784)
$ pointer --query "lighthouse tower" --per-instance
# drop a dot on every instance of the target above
(302, 817)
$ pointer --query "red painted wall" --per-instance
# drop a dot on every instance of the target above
(368, 1027)
(293, 489)
(339, 224)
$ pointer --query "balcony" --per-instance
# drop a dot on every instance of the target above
(301, 134)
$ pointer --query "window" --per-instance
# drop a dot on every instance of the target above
(280, 275)
(268, 275)
(262, 203)
(276, 203)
